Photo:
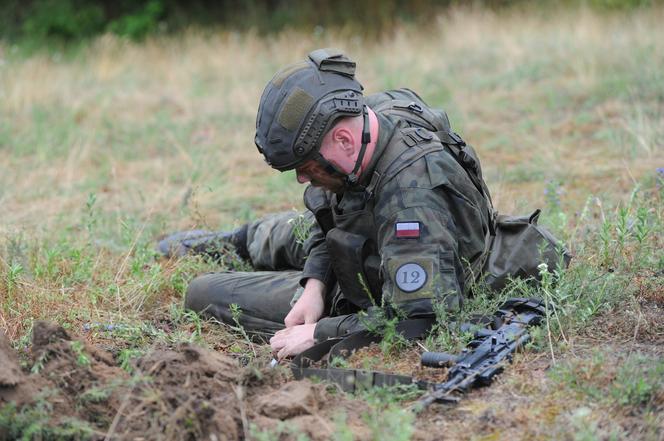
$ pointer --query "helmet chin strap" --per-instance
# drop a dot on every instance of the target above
(353, 177)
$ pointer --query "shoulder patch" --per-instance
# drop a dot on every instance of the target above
(411, 271)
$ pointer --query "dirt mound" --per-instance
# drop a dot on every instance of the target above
(186, 393)
(193, 393)
(181, 393)
(10, 370)
(71, 365)
(14, 384)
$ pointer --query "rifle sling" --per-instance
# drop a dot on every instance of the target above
(310, 363)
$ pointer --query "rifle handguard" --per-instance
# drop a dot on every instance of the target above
(438, 359)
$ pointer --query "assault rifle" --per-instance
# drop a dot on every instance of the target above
(486, 355)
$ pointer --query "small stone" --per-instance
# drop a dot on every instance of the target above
(293, 399)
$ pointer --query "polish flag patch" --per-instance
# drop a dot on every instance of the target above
(408, 230)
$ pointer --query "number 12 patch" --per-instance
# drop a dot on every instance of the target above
(410, 277)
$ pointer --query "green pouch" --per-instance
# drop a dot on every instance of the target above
(520, 245)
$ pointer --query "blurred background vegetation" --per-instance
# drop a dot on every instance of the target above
(35, 23)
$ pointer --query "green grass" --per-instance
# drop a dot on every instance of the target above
(35, 422)
(633, 381)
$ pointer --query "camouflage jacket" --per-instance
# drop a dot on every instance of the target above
(408, 236)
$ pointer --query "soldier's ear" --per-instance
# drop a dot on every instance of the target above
(345, 140)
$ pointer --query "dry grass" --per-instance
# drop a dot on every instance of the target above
(575, 97)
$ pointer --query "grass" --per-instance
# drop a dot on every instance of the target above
(33, 423)
(105, 148)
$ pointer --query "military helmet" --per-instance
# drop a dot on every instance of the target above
(301, 103)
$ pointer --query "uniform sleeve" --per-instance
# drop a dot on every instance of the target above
(341, 325)
(429, 228)
(317, 264)
(330, 327)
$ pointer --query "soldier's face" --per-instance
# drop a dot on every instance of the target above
(338, 149)
(313, 172)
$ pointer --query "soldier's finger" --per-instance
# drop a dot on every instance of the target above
(277, 341)
(281, 332)
(283, 353)
(276, 347)
(293, 320)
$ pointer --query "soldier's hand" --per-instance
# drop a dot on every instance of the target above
(309, 307)
(292, 341)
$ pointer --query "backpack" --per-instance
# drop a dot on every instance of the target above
(409, 107)
(518, 248)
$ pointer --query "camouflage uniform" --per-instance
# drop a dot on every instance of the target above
(412, 235)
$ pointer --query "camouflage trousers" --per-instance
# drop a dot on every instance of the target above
(263, 297)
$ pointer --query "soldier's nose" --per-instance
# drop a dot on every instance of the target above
(301, 177)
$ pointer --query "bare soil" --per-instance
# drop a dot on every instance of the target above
(181, 393)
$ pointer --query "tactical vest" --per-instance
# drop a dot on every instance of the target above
(350, 235)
